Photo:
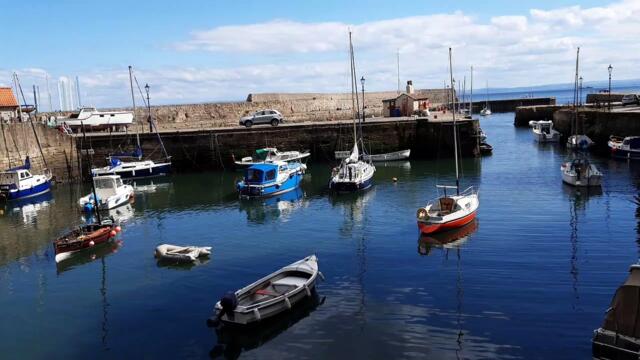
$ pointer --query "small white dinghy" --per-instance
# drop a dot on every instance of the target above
(269, 296)
(181, 254)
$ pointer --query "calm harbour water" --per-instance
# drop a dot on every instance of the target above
(531, 280)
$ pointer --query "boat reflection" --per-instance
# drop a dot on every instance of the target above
(264, 210)
(150, 186)
(84, 257)
(233, 340)
(28, 207)
(169, 264)
(120, 214)
(448, 240)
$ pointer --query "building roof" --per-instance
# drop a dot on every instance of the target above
(414, 96)
(6, 97)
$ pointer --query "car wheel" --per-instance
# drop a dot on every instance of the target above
(274, 122)
(248, 123)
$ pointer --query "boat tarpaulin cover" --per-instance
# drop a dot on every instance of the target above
(624, 315)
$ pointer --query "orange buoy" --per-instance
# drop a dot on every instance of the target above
(112, 233)
(118, 228)
(91, 243)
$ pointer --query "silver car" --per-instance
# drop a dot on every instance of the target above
(268, 116)
(630, 99)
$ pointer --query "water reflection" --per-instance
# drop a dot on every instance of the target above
(120, 214)
(261, 211)
(28, 207)
(232, 341)
(353, 207)
(80, 258)
(185, 266)
(447, 240)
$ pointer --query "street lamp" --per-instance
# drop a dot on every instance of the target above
(580, 91)
(362, 82)
(610, 68)
(146, 87)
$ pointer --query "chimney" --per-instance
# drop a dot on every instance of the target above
(409, 87)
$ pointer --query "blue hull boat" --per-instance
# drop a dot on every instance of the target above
(270, 179)
(18, 183)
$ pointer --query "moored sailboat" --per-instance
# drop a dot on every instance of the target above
(449, 211)
(354, 172)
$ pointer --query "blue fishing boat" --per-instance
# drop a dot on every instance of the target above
(270, 179)
(18, 183)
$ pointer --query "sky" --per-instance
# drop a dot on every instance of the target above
(206, 51)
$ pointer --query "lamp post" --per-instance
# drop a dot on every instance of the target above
(146, 87)
(580, 91)
(362, 82)
(610, 68)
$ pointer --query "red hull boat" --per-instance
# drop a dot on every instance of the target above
(84, 237)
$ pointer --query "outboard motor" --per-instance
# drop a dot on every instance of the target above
(229, 302)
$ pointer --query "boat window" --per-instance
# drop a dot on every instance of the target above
(254, 175)
(271, 175)
(101, 115)
(118, 182)
(113, 114)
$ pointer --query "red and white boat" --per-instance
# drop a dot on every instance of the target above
(449, 211)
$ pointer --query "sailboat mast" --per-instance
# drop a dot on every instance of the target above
(455, 136)
(575, 95)
(133, 101)
(354, 89)
(398, 54)
(471, 94)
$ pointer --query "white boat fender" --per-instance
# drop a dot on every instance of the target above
(306, 289)
(286, 301)
(321, 276)
(256, 313)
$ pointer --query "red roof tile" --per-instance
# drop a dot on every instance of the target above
(6, 97)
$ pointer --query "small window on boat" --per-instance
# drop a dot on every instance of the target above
(113, 114)
(101, 115)
(271, 175)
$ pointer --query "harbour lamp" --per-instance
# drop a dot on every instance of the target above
(610, 68)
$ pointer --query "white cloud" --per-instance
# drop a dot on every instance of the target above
(279, 55)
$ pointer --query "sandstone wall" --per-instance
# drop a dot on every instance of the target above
(18, 141)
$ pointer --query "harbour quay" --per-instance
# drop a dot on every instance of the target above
(215, 148)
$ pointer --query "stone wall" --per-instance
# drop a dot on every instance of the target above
(18, 141)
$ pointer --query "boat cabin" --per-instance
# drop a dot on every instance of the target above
(631, 143)
(84, 113)
(544, 127)
(107, 185)
(11, 179)
(263, 173)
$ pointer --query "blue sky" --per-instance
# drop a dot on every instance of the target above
(220, 50)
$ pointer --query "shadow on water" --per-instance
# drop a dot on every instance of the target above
(185, 266)
(233, 340)
(265, 210)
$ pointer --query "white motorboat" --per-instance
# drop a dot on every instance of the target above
(18, 183)
(392, 156)
(485, 111)
(269, 296)
(91, 118)
(271, 155)
(111, 193)
(579, 142)
(181, 254)
(580, 172)
(449, 211)
(543, 131)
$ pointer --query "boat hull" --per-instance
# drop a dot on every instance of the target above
(593, 180)
(350, 186)
(99, 234)
(609, 345)
(9, 195)
(292, 183)
(162, 169)
(625, 154)
(431, 228)
(394, 156)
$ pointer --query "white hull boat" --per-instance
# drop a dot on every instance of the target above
(393, 156)
(485, 112)
(543, 131)
(352, 174)
(94, 119)
(133, 169)
(269, 296)
(181, 254)
(111, 193)
(579, 142)
(580, 172)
